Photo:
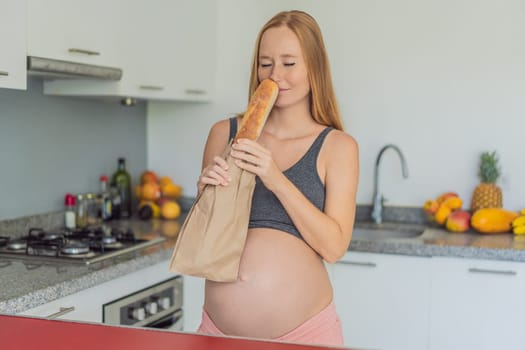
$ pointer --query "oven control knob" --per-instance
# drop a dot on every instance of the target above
(164, 303)
(138, 313)
(152, 308)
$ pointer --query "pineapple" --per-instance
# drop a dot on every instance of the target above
(487, 194)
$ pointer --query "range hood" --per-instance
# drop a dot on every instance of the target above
(51, 68)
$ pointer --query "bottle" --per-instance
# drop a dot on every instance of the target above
(122, 182)
(105, 199)
(69, 215)
(115, 203)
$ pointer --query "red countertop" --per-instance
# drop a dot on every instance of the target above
(27, 333)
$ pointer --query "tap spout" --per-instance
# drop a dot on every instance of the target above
(378, 199)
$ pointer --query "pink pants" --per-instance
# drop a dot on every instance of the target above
(321, 329)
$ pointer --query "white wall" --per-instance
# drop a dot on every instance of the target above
(444, 80)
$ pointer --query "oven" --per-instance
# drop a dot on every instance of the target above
(156, 306)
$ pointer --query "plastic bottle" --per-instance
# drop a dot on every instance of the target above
(69, 215)
(122, 182)
(106, 207)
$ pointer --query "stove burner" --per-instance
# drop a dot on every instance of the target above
(79, 246)
(108, 239)
(75, 248)
(50, 236)
(17, 244)
(3, 241)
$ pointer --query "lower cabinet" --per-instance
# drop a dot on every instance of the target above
(383, 300)
(193, 302)
(477, 304)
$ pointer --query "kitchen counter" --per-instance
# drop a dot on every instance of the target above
(26, 285)
(439, 242)
(58, 335)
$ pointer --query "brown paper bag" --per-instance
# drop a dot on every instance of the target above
(212, 238)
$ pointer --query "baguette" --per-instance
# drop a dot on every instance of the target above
(259, 107)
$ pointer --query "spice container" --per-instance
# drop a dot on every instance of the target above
(69, 214)
(81, 221)
(93, 205)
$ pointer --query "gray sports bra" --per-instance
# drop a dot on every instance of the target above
(267, 210)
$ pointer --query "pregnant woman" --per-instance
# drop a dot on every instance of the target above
(303, 204)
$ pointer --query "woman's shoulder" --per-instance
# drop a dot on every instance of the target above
(340, 148)
(220, 129)
(340, 140)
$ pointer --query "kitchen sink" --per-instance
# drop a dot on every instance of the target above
(386, 230)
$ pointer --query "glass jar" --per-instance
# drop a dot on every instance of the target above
(93, 206)
(81, 211)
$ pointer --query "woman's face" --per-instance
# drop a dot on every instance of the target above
(281, 59)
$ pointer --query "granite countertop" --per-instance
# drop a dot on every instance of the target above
(435, 241)
(26, 284)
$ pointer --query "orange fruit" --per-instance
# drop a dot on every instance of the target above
(165, 180)
(170, 210)
(148, 176)
(150, 191)
(171, 190)
(170, 228)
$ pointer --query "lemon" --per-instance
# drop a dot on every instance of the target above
(170, 210)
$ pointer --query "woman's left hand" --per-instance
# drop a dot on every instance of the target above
(253, 157)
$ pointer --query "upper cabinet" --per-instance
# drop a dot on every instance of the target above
(77, 31)
(13, 43)
(166, 50)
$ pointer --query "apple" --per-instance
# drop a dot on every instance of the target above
(458, 221)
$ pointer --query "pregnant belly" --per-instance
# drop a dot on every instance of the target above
(282, 283)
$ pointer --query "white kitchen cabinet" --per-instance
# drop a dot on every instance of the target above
(13, 44)
(86, 305)
(74, 30)
(166, 51)
(477, 304)
(193, 302)
(383, 300)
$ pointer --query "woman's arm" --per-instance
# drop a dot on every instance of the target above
(327, 232)
(214, 168)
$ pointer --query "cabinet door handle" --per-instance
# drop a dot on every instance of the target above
(83, 51)
(195, 91)
(151, 87)
(358, 263)
(494, 272)
(4, 73)
(61, 311)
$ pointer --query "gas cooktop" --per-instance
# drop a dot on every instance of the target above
(81, 246)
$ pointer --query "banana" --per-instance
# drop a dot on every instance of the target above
(519, 221)
(519, 230)
(522, 211)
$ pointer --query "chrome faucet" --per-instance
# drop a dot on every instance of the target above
(377, 210)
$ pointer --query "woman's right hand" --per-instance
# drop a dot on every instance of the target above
(214, 174)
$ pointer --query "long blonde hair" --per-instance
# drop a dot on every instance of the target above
(323, 103)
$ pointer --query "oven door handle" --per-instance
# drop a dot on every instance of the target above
(61, 311)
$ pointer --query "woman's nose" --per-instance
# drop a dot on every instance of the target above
(276, 73)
